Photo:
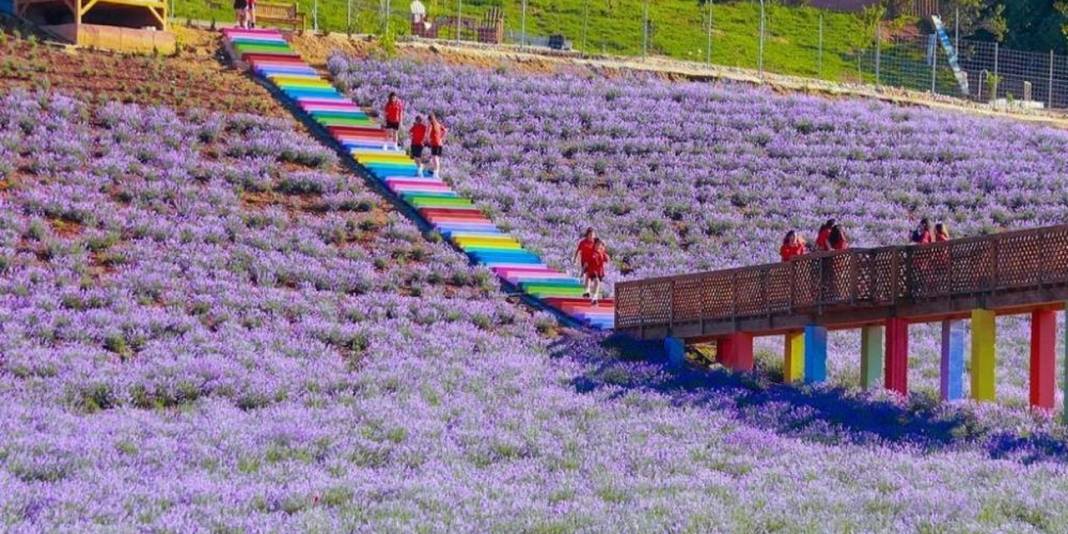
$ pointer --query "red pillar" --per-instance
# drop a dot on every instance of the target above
(1043, 358)
(735, 351)
(897, 355)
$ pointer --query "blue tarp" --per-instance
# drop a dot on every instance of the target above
(7, 6)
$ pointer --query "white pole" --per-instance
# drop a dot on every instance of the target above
(645, 31)
(708, 51)
(878, 55)
(760, 56)
(585, 22)
(523, 23)
(820, 60)
(459, 17)
(315, 16)
(1049, 94)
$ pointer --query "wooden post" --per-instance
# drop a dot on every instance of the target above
(897, 355)
(951, 383)
(871, 358)
(793, 369)
(983, 355)
(815, 354)
(1043, 359)
(735, 351)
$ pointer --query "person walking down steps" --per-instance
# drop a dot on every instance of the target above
(583, 251)
(417, 137)
(595, 270)
(394, 114)
(436, 134)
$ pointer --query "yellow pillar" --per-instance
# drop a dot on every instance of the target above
(983, 355)
(793, 369)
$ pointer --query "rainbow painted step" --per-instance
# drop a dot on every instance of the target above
(455, 217)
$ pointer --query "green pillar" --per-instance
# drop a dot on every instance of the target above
(871, 358)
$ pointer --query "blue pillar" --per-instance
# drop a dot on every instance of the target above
(952, 381)
(815, 354)
(676, 351)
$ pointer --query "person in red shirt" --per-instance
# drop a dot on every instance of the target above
(417, 136)
(824, 235)
(792, 246)
(837, 239)
(922, 234)
(437, 143)
(583, 251)
(941, 233)
(394, 113)
(595, 268)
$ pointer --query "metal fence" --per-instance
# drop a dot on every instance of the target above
(766, 36)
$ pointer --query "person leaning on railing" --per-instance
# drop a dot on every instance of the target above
(793, 246)
(837, 238)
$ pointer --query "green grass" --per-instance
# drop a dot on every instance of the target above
(678, 28)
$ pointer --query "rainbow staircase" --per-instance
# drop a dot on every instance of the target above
(455, 217)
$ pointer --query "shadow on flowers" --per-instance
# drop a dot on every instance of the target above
(615, 366)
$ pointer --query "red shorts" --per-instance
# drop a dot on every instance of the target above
(595, 274)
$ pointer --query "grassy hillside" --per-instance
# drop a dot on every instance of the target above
(678, 28)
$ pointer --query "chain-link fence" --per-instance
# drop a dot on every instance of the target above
(765, 36)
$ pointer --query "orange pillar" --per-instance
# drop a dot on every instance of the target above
(735, 351)
(897, 355)
(1043, 358)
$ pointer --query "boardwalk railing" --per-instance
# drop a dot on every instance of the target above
(1002, 271)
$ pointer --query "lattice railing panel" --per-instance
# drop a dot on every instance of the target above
(863, 278)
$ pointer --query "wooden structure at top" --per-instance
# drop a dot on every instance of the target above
(879, 290)
(1011, 272)
(488, 29)
(123, 25)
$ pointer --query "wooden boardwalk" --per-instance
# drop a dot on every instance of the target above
(881, 290)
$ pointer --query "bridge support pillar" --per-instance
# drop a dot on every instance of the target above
(871, 356)
(983, 355)
(897, 355)
(952, 374)
(676, 351)
(815, 354)
(735, 351)
(1043, 359)
(793, 369)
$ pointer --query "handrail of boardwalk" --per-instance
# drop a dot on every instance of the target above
(1006, 271)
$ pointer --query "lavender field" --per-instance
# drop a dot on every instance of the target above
(685, 177)
(208, 326)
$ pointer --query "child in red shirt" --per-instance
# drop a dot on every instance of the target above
(824, 235)
(394, 113)
(583, 251)
(437, 143)
(595, 268)
(792, 246)
(837, 239)
(941, 233)
(417, 135)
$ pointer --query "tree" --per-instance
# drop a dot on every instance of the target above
(978, 17)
